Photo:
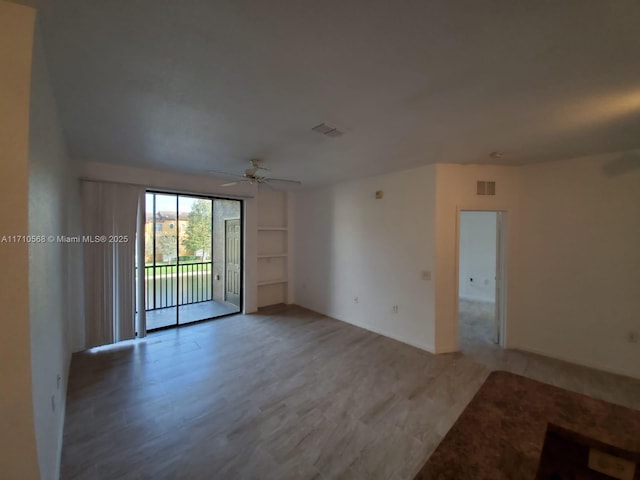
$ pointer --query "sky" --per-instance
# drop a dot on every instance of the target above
(168, 203)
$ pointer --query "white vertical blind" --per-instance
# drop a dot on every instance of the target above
(141, 320)
(110, 215)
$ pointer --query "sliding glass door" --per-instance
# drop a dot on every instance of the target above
(193, 264)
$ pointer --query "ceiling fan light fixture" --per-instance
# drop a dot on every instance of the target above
(252, 177)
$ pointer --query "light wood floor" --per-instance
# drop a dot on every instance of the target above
(284, 394)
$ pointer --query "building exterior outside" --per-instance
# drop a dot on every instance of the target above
(167, 226)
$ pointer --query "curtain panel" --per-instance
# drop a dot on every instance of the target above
(111, 217)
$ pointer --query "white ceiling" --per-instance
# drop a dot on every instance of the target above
(194, 85)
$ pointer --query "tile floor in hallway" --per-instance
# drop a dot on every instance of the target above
(283, 394)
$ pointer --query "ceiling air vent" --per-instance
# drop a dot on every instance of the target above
(486, 188)
(327, 130)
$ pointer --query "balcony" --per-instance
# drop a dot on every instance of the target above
(180, 294)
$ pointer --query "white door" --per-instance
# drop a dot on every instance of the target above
(500, 265)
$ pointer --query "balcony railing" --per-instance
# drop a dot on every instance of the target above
(174, 285)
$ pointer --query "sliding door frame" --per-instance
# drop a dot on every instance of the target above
(241, 204)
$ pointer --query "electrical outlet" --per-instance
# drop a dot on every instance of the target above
(355, 300)
(395, 309)
(426, 275)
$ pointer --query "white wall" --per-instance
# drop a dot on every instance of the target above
(18, 456)
(580, 261)
(163, 180)
(54, 308)
(350, 245)
(477, 265)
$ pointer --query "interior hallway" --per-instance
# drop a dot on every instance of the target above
(476, 322)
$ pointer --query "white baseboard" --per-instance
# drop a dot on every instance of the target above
(384, 333)
(447, 349)
(576, 361)
(379, 331)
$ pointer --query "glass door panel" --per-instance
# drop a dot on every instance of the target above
(161, 260)
(196, 290)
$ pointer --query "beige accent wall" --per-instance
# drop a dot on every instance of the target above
(456, 191)
(18, 457)
(55, 273)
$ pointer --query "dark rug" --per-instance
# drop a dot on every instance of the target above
(501, 432)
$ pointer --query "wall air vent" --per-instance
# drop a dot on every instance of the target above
(486, 188)
(327, 130)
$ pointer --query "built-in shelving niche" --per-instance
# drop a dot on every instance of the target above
(273, 251)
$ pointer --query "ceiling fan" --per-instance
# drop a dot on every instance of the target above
(255, 176)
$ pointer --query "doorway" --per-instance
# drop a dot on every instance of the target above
(480, 278)
(232, 262)
(187, 249)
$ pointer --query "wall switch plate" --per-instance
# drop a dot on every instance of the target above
(426, 275)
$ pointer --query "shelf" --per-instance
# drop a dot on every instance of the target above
(273, 229)
(273, 255)
(272, 282)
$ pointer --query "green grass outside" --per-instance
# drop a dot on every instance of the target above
(171, 269)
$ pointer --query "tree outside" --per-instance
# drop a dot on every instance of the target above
(166, 246)
(198, 234)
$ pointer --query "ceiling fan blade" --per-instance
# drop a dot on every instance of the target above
(283, 180)
(215, 172)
